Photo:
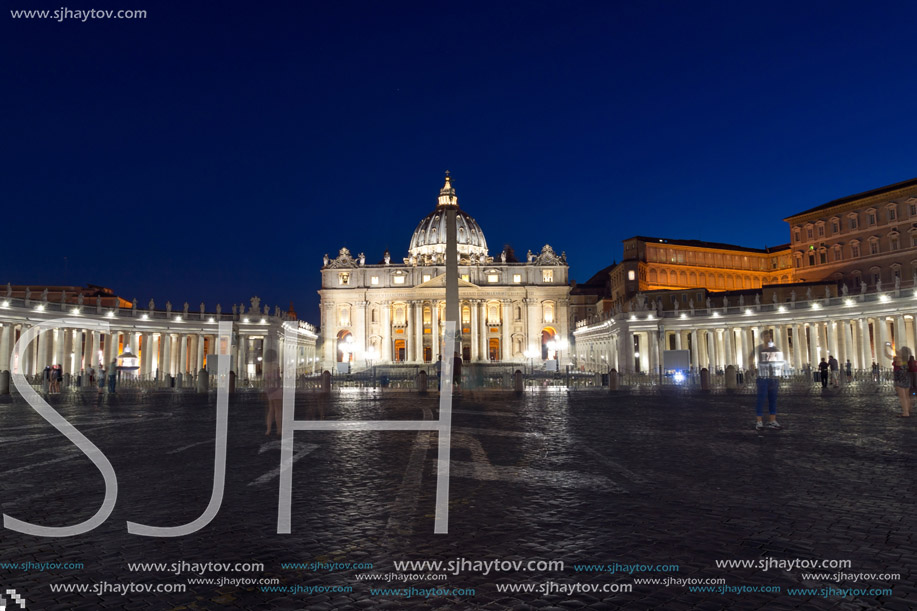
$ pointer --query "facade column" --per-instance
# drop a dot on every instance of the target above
(329, 345)
(711, 352)
(59, 346)
(831, 337)
(678, 340)
(780, 340)
(359, 340)
(96, 347)
(386, 332)
(410, 347)
(434, 327)
(505, 342)
(695, 355)
(475, 333)
(134, 342)
(483, 331)
(418, 332)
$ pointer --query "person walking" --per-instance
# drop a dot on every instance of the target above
(823, 372)
(834, 366)
(849, 368)
(901, 376)
(770, 368)
(112, 375)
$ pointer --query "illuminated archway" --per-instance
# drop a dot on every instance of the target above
(493, 349)
(400, 352)
(547, 335)
(345, 347)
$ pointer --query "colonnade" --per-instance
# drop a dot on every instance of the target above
(165, 344)
(854, 329)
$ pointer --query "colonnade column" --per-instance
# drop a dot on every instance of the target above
(695, 353)
(165, 347)
(146, 357)
(6, 346)
(881, 333)
(899, 332)
(242, 364)
(729, 358)
(77, 352)
(822, 341)
(200, 355)
(183, 354)
(812, 345)
(865, 350)
(711, 351)
(43, 350)
(59, 346)
(848, 344)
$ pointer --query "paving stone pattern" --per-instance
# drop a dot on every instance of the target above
(585, 477)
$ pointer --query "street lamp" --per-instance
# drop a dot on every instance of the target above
(531, 354)
(370, 355)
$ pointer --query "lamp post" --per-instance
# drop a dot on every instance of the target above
(370, 355)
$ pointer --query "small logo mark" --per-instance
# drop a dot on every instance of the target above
(14, 597)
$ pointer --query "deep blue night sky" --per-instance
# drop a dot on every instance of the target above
(217, 150)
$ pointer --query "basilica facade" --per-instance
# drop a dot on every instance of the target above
(393, 312)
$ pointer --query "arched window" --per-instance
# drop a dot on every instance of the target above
(344, 316)
(653, 276)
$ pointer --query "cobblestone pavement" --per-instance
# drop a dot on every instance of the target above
(584, 478)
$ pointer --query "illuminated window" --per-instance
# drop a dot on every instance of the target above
(426, 277)
(493, 277)
(517, 278)
(399, 315)
(344, 278)
(631, 275)
(466, 278)
(547, 275)
(345, 316)
(426, 316)
(466, 315)
(398, 279)
(374, 280)
(549, 312)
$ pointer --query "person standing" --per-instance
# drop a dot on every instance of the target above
(901, 376)
(101, 379)
(912, 372)
(823, 372)
(770, 368)
(833, 365)
(849, 371)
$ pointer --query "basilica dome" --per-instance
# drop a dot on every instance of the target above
(429, 238)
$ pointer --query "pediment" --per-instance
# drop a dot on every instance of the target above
(439, 282)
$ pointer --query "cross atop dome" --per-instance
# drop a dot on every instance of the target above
(447, 198)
